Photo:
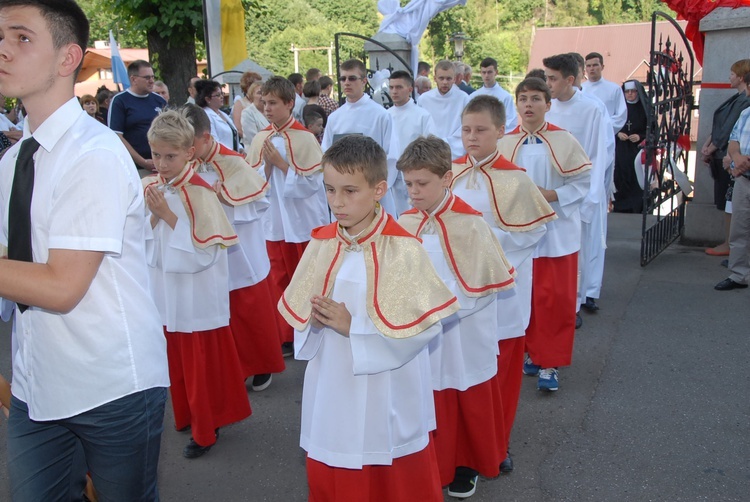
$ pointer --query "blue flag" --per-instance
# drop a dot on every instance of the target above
(119, 73)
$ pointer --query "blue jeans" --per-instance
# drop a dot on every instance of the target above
(118, 443)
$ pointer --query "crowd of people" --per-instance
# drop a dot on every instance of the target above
(421, 259)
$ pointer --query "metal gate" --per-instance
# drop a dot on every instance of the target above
(381, 94)
(670, 92)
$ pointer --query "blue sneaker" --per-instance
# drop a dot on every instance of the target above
(547, 380)
(529, 368)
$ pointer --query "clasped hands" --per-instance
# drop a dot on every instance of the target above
(331, 314)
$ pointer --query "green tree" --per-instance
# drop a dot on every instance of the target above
(101, 21)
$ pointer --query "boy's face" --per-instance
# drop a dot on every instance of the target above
(276, 111)
(594, 69)
(444, 79)
(488, 75)
(479, 134)
(316, 126)
(399, 90)
(352, 84)
(170, 160)
(29, 62)
(202, 144)
(426, 189)
(532, 106)
(559, 86)
(351, 198)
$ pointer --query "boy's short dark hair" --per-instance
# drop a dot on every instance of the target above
(355, 153)
(595, 55)
(488, 104)
(534, 84)
(423, 66)
(431, 153)
(579, 59)
(312, 74)
(296, 79)
(316, 109)
(279, 87)
(197, 117)
(354, 65)
(403, 75)
(311, 116)
(103, 95)
(134, 68)
(325, 82)
(66, 21)
(564, 63)
(311, 89)
(444, 64)
(538, 73)
(487, 62)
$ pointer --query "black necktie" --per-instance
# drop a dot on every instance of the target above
(19, 209)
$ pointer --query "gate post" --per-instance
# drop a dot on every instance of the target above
(727, 40)
(380, 58)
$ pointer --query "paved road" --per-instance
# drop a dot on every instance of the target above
(655, 407)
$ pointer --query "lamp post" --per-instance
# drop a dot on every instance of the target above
(458, 44)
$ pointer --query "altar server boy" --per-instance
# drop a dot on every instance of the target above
(365, 301)
(188, 264)
(558, 165)
(241, 190)
(517, 213)
(470, 435)
(288, 156)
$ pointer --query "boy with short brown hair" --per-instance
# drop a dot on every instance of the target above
(288, 156)
(470, 435)
(365, 302)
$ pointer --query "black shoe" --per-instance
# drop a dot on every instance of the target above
(728, 284)
(579, 320)
(261, 382)
(464, 483)
(287, 349)
(194, 450)
(506, 466)
(590, 304)
(724, 263)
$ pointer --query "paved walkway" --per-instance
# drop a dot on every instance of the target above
(655, 407)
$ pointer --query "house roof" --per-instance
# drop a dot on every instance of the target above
(625, 47)
(98, 59)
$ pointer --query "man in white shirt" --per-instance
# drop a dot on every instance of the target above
(488, 69)
(445, 104)
(298, 81)
(90, 370)
(609, 92)
(409, 123)
(362, 116)
(590, 125)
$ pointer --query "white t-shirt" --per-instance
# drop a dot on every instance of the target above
(511, 117)
(88, 197)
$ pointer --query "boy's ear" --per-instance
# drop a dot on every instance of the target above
(447, 178)
(381, 187)
(191, 153)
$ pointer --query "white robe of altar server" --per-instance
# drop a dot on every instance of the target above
(465, 354)
(518, 247)
(184, 278)
(298, 203)
(446, 113)
(410, 121)
(613, 98)
(587, 119)
(248, 260)
(367, 118)
(354, 387)
(511, 117)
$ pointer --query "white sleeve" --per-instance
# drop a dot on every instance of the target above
(511, 117)
(297, 186)
(519, 246)
(571, 194)
(178, 254)
(620, 115)
(373, 352)
(307, 342)
(470, 306)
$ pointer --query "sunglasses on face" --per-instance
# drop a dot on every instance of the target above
(350, 78)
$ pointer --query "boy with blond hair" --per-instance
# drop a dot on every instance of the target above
(365, 302)
(517, 213)
(558, 165)
(241, 190)
(288, 156)
(189, 281)
(470, 435)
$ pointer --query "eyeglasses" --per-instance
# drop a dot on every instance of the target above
(145, 77)
(217, 95)
(350, 78)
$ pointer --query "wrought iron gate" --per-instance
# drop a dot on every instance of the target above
(385, 97)
(670, 92)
